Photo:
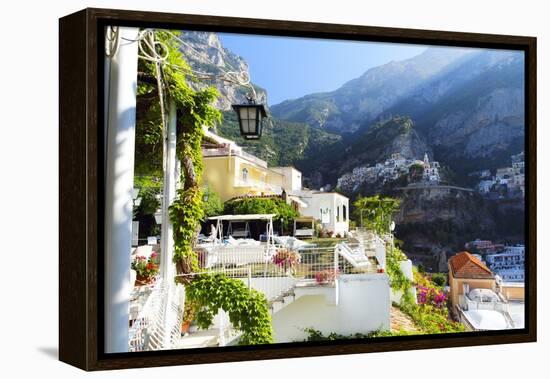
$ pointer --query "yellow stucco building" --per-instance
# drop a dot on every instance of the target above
(232, 172)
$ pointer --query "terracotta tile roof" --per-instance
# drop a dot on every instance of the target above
(465, 265)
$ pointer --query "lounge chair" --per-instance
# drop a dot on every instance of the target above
(355, 256)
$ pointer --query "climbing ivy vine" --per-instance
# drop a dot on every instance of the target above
(398, 280)
(247, 309)
(195, 110)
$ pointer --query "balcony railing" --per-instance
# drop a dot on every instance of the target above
(467, 305)
(224, 151)
(259, 184)
(256, 265)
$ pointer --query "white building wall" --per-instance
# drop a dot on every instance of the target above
(406, 268)
(363, 306)
(328, 201)
(292, 178)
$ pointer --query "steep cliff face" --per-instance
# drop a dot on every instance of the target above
(435, 221)
(498, 119)
(205, 54)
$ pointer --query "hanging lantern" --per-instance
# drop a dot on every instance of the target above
(158, 217)
(250, 117)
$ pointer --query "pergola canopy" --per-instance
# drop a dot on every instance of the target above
(243, 217)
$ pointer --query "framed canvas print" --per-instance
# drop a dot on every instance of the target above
(241, 189)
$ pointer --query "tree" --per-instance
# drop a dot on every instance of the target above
(376, 212)
(212, 204)
(279, 207)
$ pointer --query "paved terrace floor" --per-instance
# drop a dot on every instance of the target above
(400, 321)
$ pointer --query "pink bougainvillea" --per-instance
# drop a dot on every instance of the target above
(431, 296)
(286, 258)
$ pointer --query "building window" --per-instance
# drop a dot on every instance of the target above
(344, 213)
(338, 214)
(244, 174)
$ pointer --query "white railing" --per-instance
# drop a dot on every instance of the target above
(156, 316)
(467, 304)
(256, 266)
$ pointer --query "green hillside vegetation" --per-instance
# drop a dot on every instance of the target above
(283, 143)
(373, 143)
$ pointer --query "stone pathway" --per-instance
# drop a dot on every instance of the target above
(400, 321)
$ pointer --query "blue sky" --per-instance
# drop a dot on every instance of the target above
(290, 67)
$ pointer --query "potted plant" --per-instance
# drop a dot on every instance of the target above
(326, 276)
(286, 259)
(146, 269)
(189, 314)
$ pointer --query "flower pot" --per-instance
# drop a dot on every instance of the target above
(185, 327)
(144, 280)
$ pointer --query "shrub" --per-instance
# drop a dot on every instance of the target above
(277, 206)
(439, 279)
(314, 335)
(211, 203)
(431, 296)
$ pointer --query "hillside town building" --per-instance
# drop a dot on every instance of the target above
(480, 299)
(507, 181)
(391, 169)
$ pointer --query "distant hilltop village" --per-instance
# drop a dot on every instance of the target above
(508, 182)
(396, 166)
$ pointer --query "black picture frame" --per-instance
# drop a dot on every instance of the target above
(81, 199)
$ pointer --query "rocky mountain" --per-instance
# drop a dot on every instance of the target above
(283, 143)
(470, 114)
(473, 111)
(363, 99)
(205, 54)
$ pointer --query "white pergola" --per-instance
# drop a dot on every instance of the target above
(246, 217)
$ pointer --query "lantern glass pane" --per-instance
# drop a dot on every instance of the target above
(243, 113)
(247, 126)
